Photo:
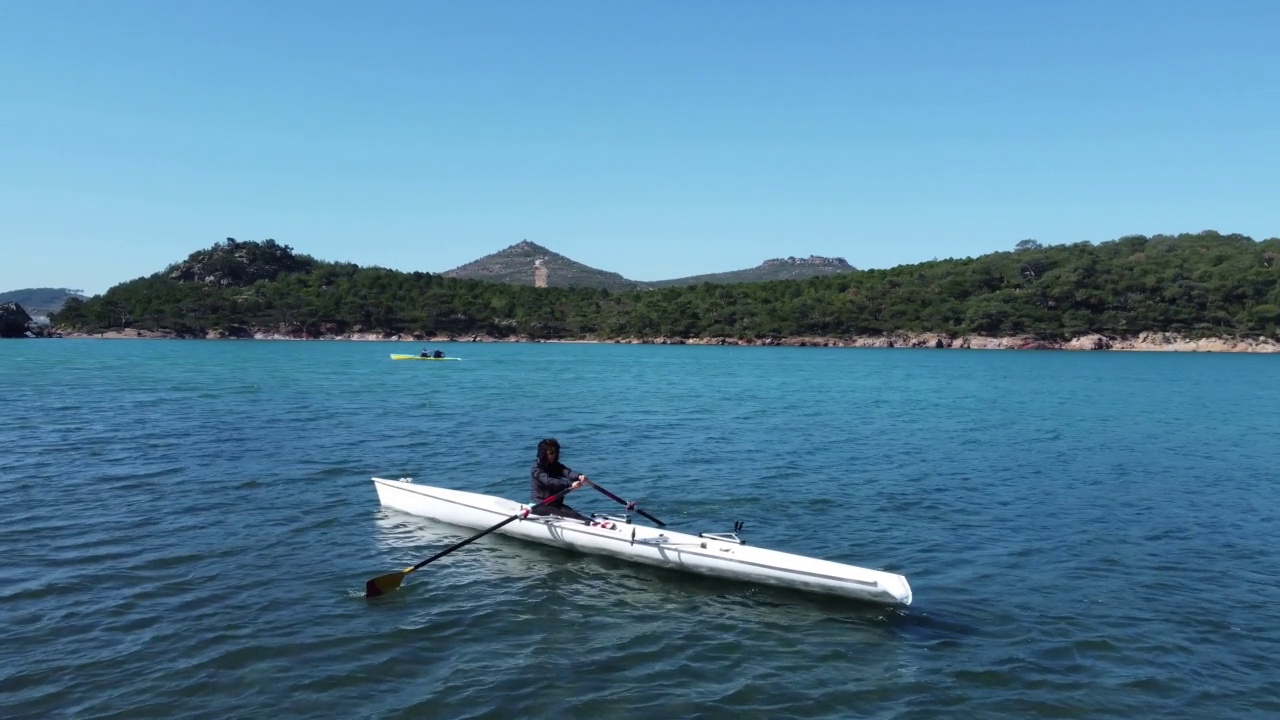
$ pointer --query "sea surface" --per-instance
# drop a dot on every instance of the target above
(186, 528)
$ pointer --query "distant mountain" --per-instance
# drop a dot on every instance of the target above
(527, 263)
(788, 268)
(41, 301)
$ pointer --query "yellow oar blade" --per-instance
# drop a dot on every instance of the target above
(384, 584)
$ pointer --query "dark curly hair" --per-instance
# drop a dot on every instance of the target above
(544, 447)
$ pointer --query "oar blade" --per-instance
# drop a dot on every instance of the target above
(384, 584)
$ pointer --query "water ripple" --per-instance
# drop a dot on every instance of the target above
(186, 528)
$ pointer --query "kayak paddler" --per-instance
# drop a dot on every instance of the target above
(549, 476)
(437, 354)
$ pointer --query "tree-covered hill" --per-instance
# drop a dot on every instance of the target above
(1203, 284)
(40, 301)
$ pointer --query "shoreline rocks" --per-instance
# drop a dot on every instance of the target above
(1142, 342)
(15, 322)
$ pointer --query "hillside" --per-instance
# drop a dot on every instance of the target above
(1202, 285)
(239, 264)
(788, 268)
(527, 263)
(41, 301)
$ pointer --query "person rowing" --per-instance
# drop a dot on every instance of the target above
(548, 477)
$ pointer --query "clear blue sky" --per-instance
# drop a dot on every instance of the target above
(655, 139)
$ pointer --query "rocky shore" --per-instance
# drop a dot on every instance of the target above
(1143, 342)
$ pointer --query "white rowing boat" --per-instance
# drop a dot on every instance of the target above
(722, 555)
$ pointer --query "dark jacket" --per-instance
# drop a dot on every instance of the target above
(545, 484)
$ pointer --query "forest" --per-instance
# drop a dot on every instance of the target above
(1199, 285)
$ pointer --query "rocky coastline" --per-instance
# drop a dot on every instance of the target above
(1142, 342)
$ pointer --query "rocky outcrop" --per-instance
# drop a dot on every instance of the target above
(1163, 342)
(1088, 342)
(818, 260)
(788, 268)
(14, 321)
(234, 331)
(1169, 342)
(239, 263)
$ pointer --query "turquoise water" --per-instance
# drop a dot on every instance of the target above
(186, 528)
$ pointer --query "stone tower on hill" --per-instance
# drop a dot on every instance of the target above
(527, 263)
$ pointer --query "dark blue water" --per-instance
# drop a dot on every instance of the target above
(186, 528)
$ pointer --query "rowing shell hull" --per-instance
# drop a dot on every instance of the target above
(648, 545)
(417, 357)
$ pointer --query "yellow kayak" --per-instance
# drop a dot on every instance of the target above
(417, 357)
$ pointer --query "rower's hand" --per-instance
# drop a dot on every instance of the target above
(583, 480)
(575, 485)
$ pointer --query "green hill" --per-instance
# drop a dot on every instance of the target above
(239, 263)
(527, 263)
(41, 301)
(1200, 285)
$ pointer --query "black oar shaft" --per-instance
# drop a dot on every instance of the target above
(482, 533)
(624, 502)
(384, 584)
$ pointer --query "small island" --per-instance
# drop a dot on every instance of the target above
(1193, 292)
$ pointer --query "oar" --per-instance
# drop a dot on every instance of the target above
(386, 583)
(630, 506)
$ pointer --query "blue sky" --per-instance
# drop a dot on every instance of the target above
(656, 139)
